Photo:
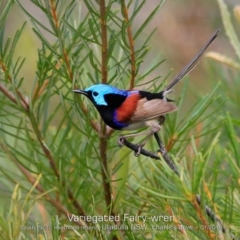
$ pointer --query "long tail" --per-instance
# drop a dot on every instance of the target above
(190, 65)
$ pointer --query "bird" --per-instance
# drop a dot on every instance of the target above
(136, 109)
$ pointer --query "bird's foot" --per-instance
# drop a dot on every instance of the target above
(138, 152)
(121, 141)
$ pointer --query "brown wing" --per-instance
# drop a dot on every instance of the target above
(150, 109)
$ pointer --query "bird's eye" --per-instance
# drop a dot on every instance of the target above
(95, 94)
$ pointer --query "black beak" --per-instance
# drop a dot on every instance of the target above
(80, 92)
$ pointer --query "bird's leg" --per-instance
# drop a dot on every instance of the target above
(154, 125)
(161, 120)
(141, 145)
(123, 137)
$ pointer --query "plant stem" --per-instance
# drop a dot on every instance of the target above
(131, 43)
(104, 40)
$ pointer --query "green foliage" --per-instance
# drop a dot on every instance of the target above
(59, 162)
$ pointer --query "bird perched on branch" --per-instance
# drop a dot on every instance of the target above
(134, 109)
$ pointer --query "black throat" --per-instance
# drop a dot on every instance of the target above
(107, 112)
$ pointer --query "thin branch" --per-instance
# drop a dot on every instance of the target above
(155, 156)
(176, 221)
(104, 40)
(26, 105)
(54, 13)
(104, 172)
(165, 155)
(67, 62)
(144, 152)
(197, 206)
(43, 145)
(22, 99)
(10, 96)
(55, 17)
(131, 43)
(211, 214)
(39, 89)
